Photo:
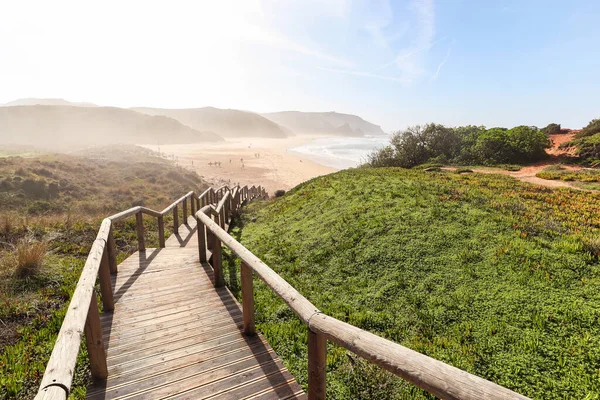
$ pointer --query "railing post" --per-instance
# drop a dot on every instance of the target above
(248, 299)
(317, 361)
(193, 204)
(95, 344)
(201, 239)
(112, 251)
(185, 210)
(217, 262)
(175, 220)
(108, 303)
(139, 223)
(161, 231)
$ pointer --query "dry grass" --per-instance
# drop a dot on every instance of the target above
(29, 258)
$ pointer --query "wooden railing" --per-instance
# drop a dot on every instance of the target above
(212, 210)
(82, 314)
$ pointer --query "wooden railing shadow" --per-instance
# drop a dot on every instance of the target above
(262, 354)
(183, 241)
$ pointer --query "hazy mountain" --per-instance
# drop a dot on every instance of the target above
(227, 123)
(324, 122)
(47, 102)
(58, 127)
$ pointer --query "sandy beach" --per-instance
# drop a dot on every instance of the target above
(248, 161)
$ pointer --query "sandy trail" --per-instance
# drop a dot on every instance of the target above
(248, 161)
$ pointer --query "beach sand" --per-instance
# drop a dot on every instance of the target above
(248, 161)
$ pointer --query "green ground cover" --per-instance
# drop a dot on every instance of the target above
(491, 275)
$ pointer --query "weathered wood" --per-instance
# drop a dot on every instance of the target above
(60, 367)
(124, 214)
(317, 361)
(176, 202)
(52, 393)
(108, 303)
(248, 299)
(184, 206)
(161, 231)
(95, 344)
(201, 240)
(139, 225)
(439, 379)
(217, 262)
(112, 251)
(298, 303)
(175, 220)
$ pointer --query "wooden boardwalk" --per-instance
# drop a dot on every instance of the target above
(173, 335)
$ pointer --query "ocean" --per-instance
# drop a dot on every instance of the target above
(341, 152)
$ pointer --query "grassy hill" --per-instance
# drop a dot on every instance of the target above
(66, 127)
(50, 209)
(483, 272)
(324, 123)
(227, 123)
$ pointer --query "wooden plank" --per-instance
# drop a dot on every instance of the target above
(139, 226)
(439, 379)
(184, 207)
(175, 220)
(201, 234)
(217, 262)
(317, 361)
(195, 374)
(161, 231)
(62, 361)
(108, 302)
(248, 299)
(112, 251)
(95, 345)
(52, 393)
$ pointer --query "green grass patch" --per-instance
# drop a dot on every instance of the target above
(491, 275)
(584, 175)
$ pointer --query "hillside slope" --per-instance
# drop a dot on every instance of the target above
(324, 123)
(47, 102)
(483, 272)
(57, 127)
(227, 123)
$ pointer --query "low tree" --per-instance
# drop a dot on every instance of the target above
(551, 129)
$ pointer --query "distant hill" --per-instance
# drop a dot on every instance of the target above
(324, 122)
(47, 102)
(227, 123)
(58, 126)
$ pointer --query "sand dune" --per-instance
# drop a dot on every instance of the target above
(62, 127)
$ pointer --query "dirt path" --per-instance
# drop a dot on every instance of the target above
(528, 173)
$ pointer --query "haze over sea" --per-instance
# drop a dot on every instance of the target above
(341, 152)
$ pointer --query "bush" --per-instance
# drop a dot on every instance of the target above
(29, 258)
(435, 143)
(552, 129)
(592, 128)
(279, 193)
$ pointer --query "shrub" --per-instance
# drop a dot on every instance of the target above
(590, 129)
(435, 143)
(29, 258)
(279, 193)
(551, 129)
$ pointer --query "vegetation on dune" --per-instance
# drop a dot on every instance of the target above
(436, 143)
(491, 275)
(558, 172)
(588, 148)
(552, 129)
(50, 210)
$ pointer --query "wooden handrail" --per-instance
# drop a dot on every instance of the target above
(82, 313)
(436, 377)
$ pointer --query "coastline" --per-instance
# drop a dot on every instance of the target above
(250, 161)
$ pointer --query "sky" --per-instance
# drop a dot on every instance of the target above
(394, 63)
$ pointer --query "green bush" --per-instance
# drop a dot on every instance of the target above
(592, 128)
(551, 129)
(435, 143)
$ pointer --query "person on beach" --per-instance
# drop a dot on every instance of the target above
(210, 164)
